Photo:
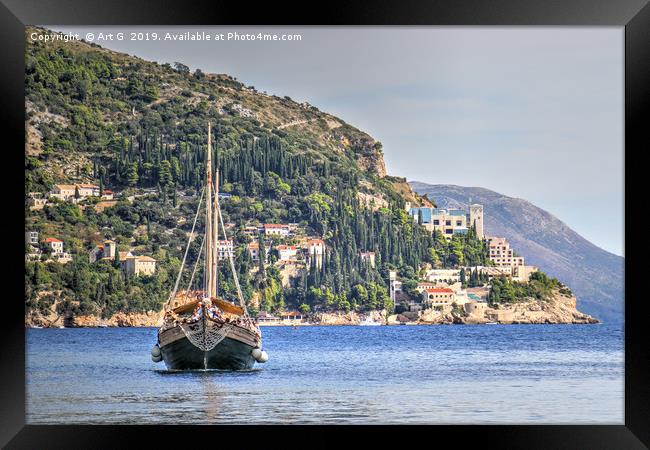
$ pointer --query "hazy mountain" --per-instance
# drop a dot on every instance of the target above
(594, 275)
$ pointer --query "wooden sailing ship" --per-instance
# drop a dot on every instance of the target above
(200, 330)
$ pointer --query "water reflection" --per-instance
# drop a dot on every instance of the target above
(212, 395)
(444, 375)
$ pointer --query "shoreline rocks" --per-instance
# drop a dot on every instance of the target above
(559, 309)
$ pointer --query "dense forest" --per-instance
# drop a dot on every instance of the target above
(540, 287)
(139, 128)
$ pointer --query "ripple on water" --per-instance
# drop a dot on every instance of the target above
(454, 374)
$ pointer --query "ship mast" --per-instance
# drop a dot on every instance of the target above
(208, 220)
(215, 234)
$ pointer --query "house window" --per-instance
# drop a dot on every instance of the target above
(459, 223)
(448, 222)
(436, 222)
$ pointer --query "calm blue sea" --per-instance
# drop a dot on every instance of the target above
(515, 374)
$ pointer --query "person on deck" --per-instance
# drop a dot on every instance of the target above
(198, 312)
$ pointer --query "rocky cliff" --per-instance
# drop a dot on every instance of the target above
(594, 275)
(69, 320)
(557, 309)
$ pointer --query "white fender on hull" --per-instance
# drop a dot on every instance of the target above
(156, 356)
(264, 357)
(260, 355)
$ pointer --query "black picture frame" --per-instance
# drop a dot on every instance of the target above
(634, 15)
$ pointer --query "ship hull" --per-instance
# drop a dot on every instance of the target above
(233, 352)
(229, 354)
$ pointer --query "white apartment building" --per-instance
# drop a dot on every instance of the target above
(501, 254)
(276, 229)
(68, 191)
(449, 221)
(448, 276)
(224, 249)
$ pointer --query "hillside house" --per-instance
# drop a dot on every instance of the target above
(139, 265)
(57, 250)
(31, 237)
(254, 250)
(287, 252)
(36, 201)
(69, 191)
(368, 257)
(276, 229)
(88, 190)
(55, 244)
(315, 248)
(251, 231)
(105, 251)
(440, 296)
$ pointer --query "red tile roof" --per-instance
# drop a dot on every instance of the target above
(438, 290)
(51, 239)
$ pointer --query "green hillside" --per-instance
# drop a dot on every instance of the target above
(140, 129)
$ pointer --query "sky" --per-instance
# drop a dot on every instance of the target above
(530, 112)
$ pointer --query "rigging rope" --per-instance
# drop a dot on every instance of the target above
(196, 264)
(232, 266)
(172, 295)
(205, 337)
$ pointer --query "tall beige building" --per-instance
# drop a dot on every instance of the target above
(501, 253)
(476, 218)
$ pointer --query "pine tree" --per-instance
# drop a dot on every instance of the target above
(132, 174)
(116, 262)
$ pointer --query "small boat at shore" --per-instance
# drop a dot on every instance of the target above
(368, 322)
(200, 329)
